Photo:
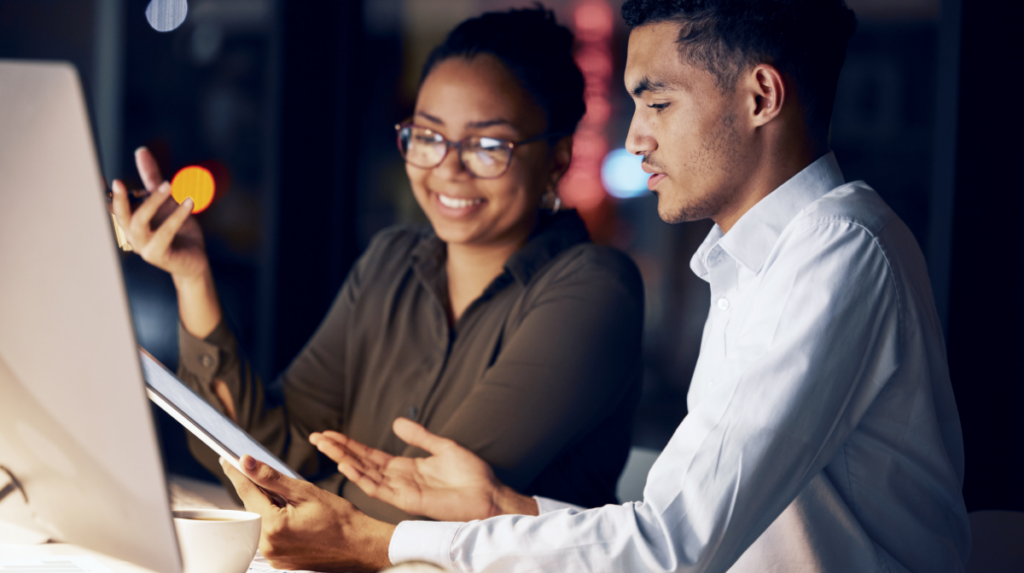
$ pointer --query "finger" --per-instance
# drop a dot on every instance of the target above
(253, 499)
(370, 486)
(331, 448)
(416, 435)
(362, 451)
(271, 480)
(164, 235)
(149, 169)
(122, 208)
(350, 464)
(144, 214)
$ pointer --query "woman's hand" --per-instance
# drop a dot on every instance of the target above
(453, 484)
(165, 235)
(162, 232)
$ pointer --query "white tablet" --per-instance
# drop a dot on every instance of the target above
(203, 420)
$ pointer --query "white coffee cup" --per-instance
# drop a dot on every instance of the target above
(217, 540)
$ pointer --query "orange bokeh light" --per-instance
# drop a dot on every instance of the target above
(195, 182)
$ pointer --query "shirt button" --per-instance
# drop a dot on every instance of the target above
(412, 412)
(206, 361)
(723, 303)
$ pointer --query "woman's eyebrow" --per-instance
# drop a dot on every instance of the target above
(429, 117)
(487, 123)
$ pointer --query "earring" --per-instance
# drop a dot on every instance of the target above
(551, 198)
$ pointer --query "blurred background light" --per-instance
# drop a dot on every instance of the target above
(195, 182)
(166, 15)
(622, 175)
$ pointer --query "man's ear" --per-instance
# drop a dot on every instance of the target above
(561, 157)
(767, 90)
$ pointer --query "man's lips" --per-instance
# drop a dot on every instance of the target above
(654, 180)
(655, 177)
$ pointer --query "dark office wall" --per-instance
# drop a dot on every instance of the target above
(314, 218)
(986, 310)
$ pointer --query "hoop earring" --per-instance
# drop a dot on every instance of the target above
(552, 199)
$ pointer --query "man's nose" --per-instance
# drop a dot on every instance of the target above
(639, 141)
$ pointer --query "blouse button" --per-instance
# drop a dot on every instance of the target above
(412, 412)
(723, 303)
(206, 361)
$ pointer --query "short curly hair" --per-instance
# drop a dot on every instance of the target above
(804, 39)
(535, 48)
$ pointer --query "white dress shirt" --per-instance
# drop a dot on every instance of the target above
(822, 433)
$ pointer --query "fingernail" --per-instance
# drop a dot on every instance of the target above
(250, 463)
(116, 187)
(140, 148)
(190, 202)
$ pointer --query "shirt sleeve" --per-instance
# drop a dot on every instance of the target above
(308, 396)
(566, 368)
(545, 505)
(742, 454)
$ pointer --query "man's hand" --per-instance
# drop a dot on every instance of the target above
(453, 484)
(315, 530)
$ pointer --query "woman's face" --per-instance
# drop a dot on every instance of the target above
(479, 96)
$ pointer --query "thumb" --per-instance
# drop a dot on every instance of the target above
(271, 480)
(416, 435)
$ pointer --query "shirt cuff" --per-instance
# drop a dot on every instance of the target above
(429, 541)
(545, 505)
(203, 357)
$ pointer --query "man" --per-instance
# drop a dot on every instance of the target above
(822, 433)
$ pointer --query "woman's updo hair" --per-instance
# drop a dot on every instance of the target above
(535, 48)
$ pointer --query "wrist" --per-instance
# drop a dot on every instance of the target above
(198, 305)
(374, 542)
(508, 501)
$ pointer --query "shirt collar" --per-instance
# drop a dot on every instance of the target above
(752, 238)
(553, 234)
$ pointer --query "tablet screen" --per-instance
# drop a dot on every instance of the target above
(213, 428)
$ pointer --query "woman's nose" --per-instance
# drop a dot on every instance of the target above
(451, 166)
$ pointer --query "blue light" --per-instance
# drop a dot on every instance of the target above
(622, 176)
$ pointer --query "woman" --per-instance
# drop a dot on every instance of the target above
(500, 327)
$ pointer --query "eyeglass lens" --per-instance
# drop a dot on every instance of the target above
(482, 156)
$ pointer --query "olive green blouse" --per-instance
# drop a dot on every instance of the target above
(540, 376)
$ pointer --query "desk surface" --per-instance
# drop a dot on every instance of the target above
(185, 493)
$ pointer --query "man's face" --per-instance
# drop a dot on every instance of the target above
(691, 133)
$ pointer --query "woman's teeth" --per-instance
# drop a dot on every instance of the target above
(453, 203)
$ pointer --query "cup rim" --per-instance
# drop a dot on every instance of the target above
(234, 514)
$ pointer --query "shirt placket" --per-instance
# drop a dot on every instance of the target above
(722, 278)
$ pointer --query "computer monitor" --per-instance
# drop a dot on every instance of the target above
(76, 429)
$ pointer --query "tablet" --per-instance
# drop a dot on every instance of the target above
(203, 420)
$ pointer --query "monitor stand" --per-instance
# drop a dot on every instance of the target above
(9, 532)
(12, 485)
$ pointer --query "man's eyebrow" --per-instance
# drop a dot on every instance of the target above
(648, 85)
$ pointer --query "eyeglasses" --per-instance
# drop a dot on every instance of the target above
(483, 157)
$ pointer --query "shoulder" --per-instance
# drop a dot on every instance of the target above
(593, 266)
(851, 240)
(390, 252)
(854, 205)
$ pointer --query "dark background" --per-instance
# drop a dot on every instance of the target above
(296, 101)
